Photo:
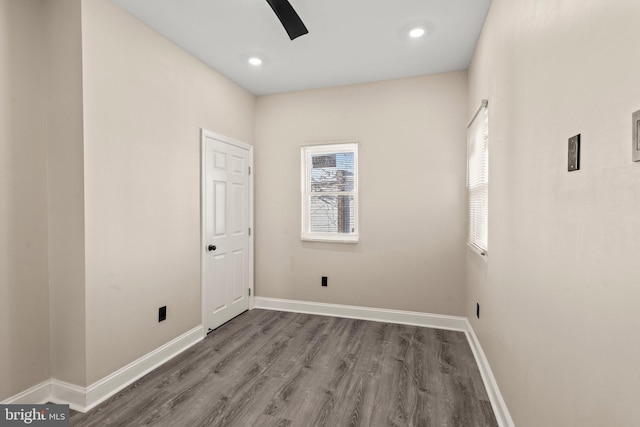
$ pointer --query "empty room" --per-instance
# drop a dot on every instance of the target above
(306, 212)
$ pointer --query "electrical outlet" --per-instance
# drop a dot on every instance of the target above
(162, 313)
(325, 279)
(478, 310)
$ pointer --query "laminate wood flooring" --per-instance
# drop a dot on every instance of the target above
(269, 368)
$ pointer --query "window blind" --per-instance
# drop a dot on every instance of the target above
(478, 180)
(329, 192)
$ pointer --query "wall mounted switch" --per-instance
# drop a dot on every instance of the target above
(636, 136)
(162, 313)
(325, 280)
(574, 153)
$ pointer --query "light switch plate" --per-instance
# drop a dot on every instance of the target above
(636, 136)
(574, 154)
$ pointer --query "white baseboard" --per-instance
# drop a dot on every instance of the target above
(68, 394)
(38, 394)
(83, 399)
(405, 318)
(365, 313)
(101, 390)
(497, 402)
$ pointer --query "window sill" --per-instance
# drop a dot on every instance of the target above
(480, 252)
(329, 239)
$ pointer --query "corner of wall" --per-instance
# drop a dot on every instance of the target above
(64, 130)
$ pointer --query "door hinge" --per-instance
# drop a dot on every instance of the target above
(249, 231)
(249, 291)
(249, 170)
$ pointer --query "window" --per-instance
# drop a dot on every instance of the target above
(330, 192)
(478, 179)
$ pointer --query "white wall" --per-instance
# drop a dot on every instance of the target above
(24, 294)
(412, 169)
(65, 184)
(560, 291)
(145, 101)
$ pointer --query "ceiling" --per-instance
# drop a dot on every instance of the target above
(349, 41)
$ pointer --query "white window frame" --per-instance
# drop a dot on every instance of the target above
(478, 180)
(305, 152)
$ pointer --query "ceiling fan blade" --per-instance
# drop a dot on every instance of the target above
(289, 18)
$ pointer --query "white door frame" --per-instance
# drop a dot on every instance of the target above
(203, 243)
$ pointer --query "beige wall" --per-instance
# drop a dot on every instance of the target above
(560, 290)
(145, 101)
(412, 168)
(118, 132)
(24, 296)
(63, 53)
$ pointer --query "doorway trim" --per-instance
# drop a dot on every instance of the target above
(204, 133)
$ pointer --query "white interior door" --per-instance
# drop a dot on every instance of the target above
(227, 270)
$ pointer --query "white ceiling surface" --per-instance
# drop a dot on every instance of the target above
(349, 41)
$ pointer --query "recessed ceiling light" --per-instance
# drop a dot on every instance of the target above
(255, 61)
(417, 32)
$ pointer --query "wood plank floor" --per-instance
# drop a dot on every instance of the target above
(269, 368)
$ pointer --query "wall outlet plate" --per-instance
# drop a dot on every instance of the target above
(574, 153)
(636, 136)
(162, 313)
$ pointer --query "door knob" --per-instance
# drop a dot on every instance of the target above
(211, 248)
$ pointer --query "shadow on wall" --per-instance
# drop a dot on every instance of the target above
(24, 327)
